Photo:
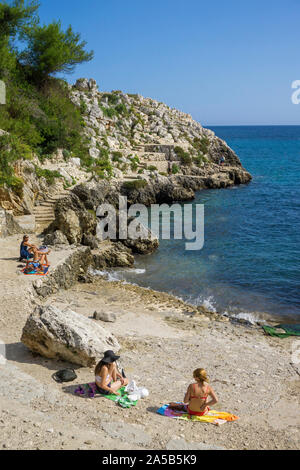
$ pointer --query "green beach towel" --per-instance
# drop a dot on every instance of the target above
(90, 390)
(290, 330)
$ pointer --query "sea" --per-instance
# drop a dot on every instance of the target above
(249, 264)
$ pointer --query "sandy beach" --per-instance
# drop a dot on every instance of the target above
(162, 342)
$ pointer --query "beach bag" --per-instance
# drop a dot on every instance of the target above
(135, 392)
(64, 375)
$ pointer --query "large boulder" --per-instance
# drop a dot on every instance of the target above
(66, 335)
(73, 219)
(145, 244)
(8, 226)
(56, 238)
(111, 255)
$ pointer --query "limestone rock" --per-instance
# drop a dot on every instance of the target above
(105, 316)
(82, 84)
(66, 335)
(72, 219)
(56, 238)
(8, 226)
(90, 240)
(112, 255)
(144, 244)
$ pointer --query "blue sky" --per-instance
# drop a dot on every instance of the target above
(225, 62)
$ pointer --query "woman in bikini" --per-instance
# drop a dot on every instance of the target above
(197, 394)
(196, 398)
(107, 377)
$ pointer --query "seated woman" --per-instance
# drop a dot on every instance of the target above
(39, 259)
(26, 249)
(195, 400)
(43, 251)
(107, 377)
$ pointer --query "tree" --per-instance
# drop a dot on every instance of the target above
(14, 16)
(51, 51)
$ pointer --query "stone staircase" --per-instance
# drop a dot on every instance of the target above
(44, 212)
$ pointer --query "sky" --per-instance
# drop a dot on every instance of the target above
(226, 62)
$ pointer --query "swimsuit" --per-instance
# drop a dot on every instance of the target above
(100, 389)
(24, 253)
(198, 413)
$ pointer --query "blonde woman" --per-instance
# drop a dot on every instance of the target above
(198, 394)
(196, 400)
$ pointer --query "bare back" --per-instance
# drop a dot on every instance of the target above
(198, 394)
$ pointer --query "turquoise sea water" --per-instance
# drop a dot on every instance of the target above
(250, 259)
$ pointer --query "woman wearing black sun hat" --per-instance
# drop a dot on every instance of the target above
(107, 377)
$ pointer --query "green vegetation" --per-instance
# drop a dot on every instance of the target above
(175, 169)
(50, 51)
(134, 163)
(184, 157)
(116, 156)
(11, 150)
(201, 145)
(111, 98)
(152, 168)
(199, 160)
(49, 175)
(38, 114)
(135, 185)
(102, 168)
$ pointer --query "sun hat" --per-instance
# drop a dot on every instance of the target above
(109, 357)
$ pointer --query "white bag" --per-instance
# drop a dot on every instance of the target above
(134, 392)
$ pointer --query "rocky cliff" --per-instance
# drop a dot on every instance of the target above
(136, 146)
(133, 136)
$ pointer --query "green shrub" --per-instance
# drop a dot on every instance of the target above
(11, 150)
(183, 156)
(102, 168)
(121, 109)
(135, 185)
(66, 154)
(175, 169)
(111, 98)
(116, 156)
(109, 112)
(201, 145)
(152, 168)
(49, 175)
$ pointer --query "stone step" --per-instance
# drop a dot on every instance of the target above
(44, 219)
(44, 214)
(44, 209)
(46, 204)
(130, 177)
(48, 211)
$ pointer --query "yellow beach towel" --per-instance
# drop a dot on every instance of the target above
(212, 416)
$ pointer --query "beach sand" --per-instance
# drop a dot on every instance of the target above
(252, 374)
